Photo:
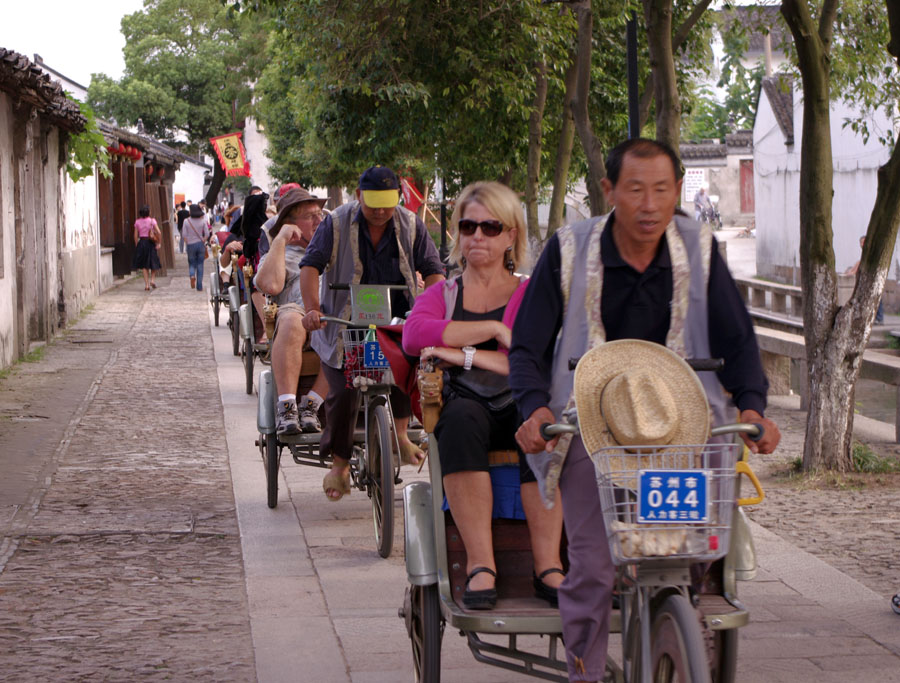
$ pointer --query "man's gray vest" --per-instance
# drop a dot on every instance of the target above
(581, 275)
(345, 267)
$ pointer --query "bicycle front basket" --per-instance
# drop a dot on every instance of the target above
(667, 502)
(364, 364)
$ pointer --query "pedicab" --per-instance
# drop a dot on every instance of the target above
(374, 469)
(247, 315)
(235, 299)
(674, 626)
(218, 296)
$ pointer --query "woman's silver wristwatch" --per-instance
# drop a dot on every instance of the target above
(470, 356)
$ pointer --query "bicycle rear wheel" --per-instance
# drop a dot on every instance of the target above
(678, 650)
(426, 632)
(248, 354)
(235, 333)
(380, 460)
(271, 456)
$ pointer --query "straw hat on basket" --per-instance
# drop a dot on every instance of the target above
(636, 393)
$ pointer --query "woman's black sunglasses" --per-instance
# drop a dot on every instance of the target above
(488, 228)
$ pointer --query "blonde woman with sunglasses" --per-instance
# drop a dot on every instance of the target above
(465, 326)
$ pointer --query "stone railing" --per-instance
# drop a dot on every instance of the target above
(780, 349)
(771, 296)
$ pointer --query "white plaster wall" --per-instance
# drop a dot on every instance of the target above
(8, 341)
(80, 248)
(256, 143)
(189, 181)
(81, 212)
(54, 225)
(777, 188)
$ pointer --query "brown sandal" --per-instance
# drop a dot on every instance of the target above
(338, 483)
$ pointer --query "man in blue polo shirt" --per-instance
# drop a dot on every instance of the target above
(368, 241)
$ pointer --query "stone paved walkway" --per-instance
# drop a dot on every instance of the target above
(120, 553)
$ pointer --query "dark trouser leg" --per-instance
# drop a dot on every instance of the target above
(585, 597)
(340, 415)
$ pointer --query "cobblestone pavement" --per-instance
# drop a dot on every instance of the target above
(120, 553)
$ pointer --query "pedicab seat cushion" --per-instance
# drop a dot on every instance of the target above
(507, 496)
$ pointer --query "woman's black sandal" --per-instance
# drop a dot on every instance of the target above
(483, 599)
(542, 590)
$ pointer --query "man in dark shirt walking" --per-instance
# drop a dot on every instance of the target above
(180, 216)
(642, 272)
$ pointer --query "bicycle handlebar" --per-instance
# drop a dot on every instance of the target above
(346, 285)
(754, 431)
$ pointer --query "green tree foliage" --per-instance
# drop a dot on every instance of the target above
(86, 149)
(418, 85)
(189, 65)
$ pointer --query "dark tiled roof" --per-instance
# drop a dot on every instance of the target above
(739, 139)
(708, 149)
(25, 81)
(780, 91)
(159, 151)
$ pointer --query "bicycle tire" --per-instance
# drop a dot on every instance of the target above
(677, 646)
(726, 654)
(235, 333)
(216, 305)
(270, 459)
(248, 354)
(426, 632)
(380, 459)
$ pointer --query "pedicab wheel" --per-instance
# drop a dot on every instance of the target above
(235, 333)
(678, 649)
(381, 478)
(270, 458)
(426, 630)
(248, 353)
(216, 303)
(725, 658)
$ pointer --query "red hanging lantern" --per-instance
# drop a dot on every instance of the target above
(122, 148)
(111, 149)
(148, 170)
(160, 172)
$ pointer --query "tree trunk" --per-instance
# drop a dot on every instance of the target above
(212, 194)
(593, 150)
(677, 41)
(563, 155)
(335, 197)
(835, 337)
(658, 15)
(535, 136)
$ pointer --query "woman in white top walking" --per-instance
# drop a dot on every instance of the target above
(196, 233)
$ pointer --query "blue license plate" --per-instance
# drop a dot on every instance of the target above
(673, 496)
(372, 356)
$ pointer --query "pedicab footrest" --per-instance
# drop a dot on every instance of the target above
(667, 502)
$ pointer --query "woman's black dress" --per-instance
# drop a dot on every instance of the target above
(145, 255)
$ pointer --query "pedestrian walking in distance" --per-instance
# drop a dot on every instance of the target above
(146, 238)
(196, 233)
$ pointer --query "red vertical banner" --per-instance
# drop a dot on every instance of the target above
(231, 153)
